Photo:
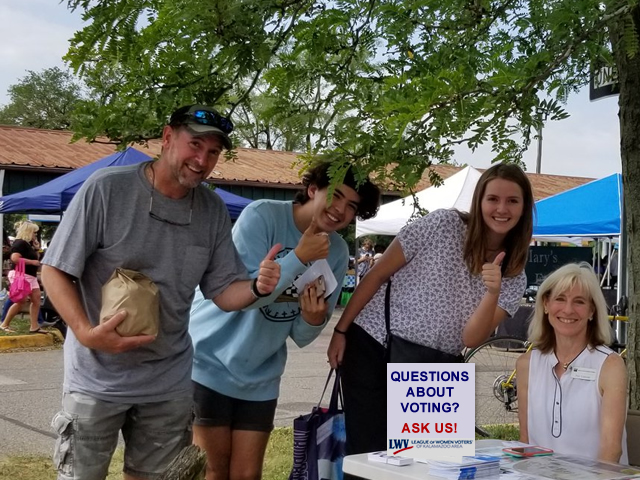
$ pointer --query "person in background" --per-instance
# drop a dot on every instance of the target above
(6, 245)
(365, 258)
(158, 219)
(613, 266)
(579, 403)
(239, 357)
(604, 263)
(26, 247)
(378, 251)
(455, 277)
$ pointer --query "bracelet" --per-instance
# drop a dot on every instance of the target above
(254, 290)
(335, 329)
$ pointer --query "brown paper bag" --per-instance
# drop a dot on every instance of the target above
(138, 295)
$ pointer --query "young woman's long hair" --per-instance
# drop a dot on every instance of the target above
(517, 241)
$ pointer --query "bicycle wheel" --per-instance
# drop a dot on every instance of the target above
(496, 397)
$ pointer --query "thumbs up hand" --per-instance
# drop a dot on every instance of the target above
(492, 274)
(269, 272)
(313, 245)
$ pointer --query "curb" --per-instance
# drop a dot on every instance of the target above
(9, 342)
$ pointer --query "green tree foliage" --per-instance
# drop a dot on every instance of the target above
(158, 55)
(390, 85)
(142, 59)
(270, 121)
(42, 100)
(377, 82)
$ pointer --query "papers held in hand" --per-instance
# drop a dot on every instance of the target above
(319, 268)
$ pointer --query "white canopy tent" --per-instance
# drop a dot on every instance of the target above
(455, 192)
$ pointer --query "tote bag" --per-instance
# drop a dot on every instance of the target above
(20, 288)
(319, 439)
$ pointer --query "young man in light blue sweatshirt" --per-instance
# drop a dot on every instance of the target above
(239, 357)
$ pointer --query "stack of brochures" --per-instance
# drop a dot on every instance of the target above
(478, 466)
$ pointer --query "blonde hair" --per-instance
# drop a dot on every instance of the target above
(25, 230)
(541, 333)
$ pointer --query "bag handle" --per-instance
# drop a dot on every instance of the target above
(387, 319)
(20, 266)
(336, 392)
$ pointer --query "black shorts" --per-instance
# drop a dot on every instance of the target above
(213, 409)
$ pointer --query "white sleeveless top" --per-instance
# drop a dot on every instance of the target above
(564, 414)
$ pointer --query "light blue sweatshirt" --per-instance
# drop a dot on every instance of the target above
(243, 354)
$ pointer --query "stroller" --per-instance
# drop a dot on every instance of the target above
(49, 317)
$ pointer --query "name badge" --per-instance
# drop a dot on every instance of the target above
(582, 373)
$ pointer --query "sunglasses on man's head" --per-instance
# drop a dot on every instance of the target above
(206, 117)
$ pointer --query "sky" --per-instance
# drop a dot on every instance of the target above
(35, 35)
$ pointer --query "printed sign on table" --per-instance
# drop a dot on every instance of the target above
(431, 410)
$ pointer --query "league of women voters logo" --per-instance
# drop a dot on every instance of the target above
(431, 409)
(286, 307)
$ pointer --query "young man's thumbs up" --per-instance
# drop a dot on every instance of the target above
(313, 245)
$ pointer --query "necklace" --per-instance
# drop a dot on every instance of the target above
(160, 218)
(566, 364)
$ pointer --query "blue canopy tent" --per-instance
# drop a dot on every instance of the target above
(235, 203)
(590, 210)
(595, 209)
(55, 196)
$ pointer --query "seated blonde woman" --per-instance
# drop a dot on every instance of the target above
(572, 389)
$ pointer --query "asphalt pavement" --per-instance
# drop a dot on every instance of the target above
(31, 390)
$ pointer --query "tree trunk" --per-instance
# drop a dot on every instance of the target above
(188, 465)
(629, 102)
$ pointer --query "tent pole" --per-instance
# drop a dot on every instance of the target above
(607, 267)
(355, 256)
(2, 224)
(599, 259)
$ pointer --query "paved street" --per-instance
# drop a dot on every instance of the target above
(31, 389)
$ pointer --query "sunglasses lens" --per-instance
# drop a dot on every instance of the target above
(205, 117)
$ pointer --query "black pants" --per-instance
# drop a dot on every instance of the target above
(364, 388)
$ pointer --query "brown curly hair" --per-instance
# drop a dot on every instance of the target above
(319, 176)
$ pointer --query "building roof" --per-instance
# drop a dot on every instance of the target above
(52, 150)
(543, 185)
